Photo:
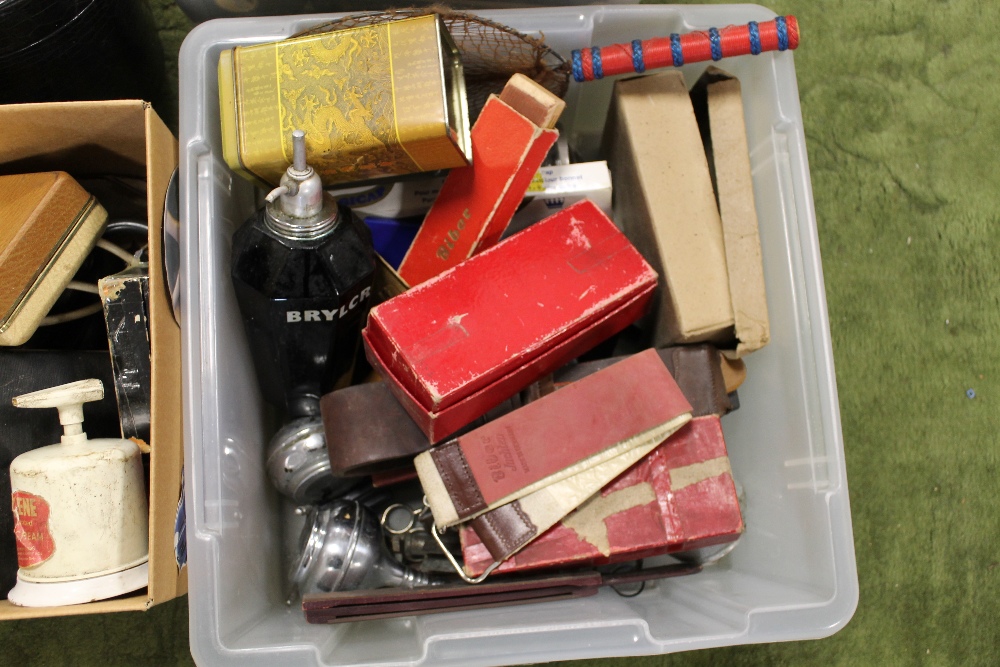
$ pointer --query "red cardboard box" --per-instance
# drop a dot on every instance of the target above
(680, 497)
(454, 347)
(632, 405)
(476, 203)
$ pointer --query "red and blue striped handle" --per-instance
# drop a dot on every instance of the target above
(780, 34)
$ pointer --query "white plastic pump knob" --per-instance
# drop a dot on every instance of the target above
(69, 400)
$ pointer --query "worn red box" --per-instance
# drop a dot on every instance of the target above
(454, 347)
(476, 203)
(680, 497)
(569, 435)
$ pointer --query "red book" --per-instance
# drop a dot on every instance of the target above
(476, 203)
(680, 497)
(454, 347)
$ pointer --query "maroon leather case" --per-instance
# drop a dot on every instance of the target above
(395, 602)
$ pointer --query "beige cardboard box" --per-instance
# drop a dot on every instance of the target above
(718, 102)
(691, 214)
(664, 200)
(124, 139)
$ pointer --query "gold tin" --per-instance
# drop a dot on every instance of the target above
(374, 101)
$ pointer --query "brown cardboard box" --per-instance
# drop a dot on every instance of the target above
(125, 139)
(718, 102)
(692, 215)
(663, 199)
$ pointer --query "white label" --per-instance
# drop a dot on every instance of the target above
(328, 315)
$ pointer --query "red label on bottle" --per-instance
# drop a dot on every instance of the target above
(31, 529)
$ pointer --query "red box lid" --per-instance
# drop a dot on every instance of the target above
(458, 332)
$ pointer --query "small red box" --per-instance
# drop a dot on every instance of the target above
(476, 203)
(680, 497)
(454, 347)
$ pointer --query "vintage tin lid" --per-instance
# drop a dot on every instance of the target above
(363, 120)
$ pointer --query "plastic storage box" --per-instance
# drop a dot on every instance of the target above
(792, 575)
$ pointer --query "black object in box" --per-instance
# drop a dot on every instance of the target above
(125, 297)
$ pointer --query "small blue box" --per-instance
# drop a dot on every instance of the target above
(392, 237)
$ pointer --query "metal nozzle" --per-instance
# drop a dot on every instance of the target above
(297, 208)
(299, 151)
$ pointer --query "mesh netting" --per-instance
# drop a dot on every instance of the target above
(491, 52)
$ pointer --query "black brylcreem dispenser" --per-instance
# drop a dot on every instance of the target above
(302, 268)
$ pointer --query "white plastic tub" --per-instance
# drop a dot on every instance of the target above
(793, 574)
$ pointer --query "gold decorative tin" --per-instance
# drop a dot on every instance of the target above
(374, 101)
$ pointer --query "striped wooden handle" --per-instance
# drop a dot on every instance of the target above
(596, 62)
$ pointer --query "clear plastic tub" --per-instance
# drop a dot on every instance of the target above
(792, 576)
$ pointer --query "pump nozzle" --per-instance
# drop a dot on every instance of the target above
(297, 208)
(299, 151)
(69, 400)
(302, 197)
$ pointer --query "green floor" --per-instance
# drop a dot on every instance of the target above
(902, 118)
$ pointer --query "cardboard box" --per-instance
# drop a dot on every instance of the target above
(400, 199)
(124, 139)
(680, 497)
(392, 237)
(718, 104)
(664, 200)
(561, 185)
(696, 368)
(600, 417)
(454, 347)
(476, 203)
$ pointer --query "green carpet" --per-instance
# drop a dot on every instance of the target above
(902, 119)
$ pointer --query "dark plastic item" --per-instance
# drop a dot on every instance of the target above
(67, 50)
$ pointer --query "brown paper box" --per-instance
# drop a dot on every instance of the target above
(664, 200)
(123, 138)
(719, 105)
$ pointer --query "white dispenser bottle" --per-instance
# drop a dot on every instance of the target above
(80, 511)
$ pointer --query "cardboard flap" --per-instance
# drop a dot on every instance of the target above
(165, 582)
(83, 138)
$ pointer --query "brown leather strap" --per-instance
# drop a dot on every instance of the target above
(458, 479)
(391, 602)
(504, 530)
(698, 371)
(368, 431)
